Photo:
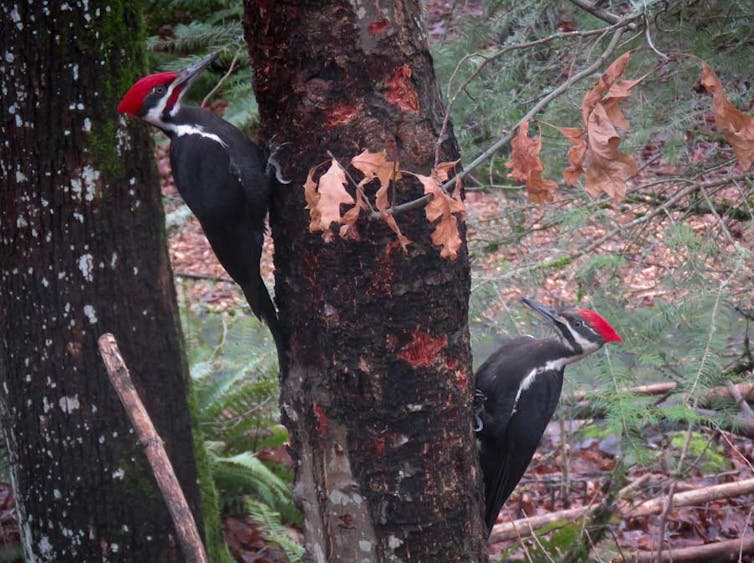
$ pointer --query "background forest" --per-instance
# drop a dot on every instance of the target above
(670, 265)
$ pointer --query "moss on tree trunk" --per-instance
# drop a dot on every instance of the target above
(82, 252)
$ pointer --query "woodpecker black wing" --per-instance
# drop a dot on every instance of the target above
(512, 454)
(211, 185)
(498, 380)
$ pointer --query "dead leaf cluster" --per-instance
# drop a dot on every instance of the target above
(595, 149)
(325, 196)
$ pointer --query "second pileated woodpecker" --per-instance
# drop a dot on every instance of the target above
(517, 390)
(222, 176)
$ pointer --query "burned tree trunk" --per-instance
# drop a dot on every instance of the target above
(377, 398)
(82, 252)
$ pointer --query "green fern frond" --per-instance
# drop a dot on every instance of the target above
(273, 531)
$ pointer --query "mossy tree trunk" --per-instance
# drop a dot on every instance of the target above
(378, 395)
(83, 252)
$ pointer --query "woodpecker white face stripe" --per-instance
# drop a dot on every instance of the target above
(154, 115)
(587, 346)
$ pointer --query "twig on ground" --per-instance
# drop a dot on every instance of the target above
(742, 404)
(714, 212)
(208, 277)
(637, 484)
(733, 447)
(183, 519)
(728, 550)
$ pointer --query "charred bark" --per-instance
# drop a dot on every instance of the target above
(377, 398)
(82, 252)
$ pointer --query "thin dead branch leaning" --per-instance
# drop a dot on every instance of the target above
(183, 519)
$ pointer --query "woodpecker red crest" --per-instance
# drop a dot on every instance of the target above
(133, 101)
(599, 324)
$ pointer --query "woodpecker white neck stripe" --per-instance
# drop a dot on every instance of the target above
(552, 365)
(181, 130)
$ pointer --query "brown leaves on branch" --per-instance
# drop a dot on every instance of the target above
(594, 151)
(527, 167)
(326, 196)
(595, 148)
(442, 208)
(738, 127)
(376, 166)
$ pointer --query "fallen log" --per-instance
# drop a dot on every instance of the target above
(705, 494)
(745, 390)
(525, 527)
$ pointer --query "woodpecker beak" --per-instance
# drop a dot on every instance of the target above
(189, 74)
(541, 309)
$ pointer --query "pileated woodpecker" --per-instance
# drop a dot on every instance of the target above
(517, 390)
(222, 176)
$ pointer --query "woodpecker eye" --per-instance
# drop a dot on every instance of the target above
(578, 324)
(159, 89)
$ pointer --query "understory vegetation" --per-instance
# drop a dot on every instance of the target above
(670, 265)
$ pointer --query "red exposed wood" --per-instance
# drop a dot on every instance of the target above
(401, 90)
(423, 349)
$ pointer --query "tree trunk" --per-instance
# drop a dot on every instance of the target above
(377, 398)
(83, 252)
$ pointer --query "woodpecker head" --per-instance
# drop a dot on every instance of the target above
(582, 330)
(157, 98)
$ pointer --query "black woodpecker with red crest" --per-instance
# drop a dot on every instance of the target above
(517, 390)
(223, 177)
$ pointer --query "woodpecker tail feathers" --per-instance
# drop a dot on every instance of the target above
(262, 306)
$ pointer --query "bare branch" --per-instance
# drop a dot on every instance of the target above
(223, 79)
(604, 15)
(183, 519)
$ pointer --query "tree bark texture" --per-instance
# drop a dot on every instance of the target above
(83, 252)
(378, 395)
